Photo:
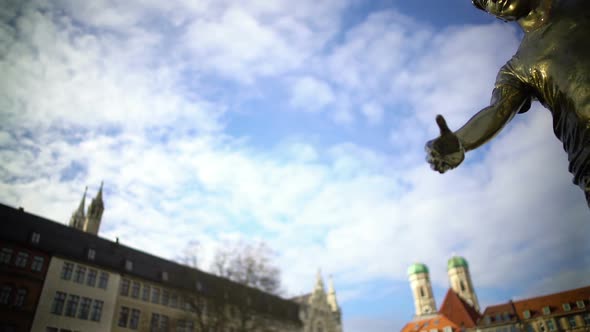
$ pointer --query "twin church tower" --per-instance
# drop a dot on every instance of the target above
(89, 222)
(459, 278)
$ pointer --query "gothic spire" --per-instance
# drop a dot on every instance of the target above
(94, 215)
(332, 295)
(77, 219)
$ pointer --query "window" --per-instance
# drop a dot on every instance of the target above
(80, 274)
(35, 237)
(198, 286)
(146, 293)
(103, 281)
(174, 300)
(447, 329)
(433, 330)
(462, 285)
(498, 318)
(546, 310)
(66, 271)
(529, 328)
(526, 314)
(58, 303)
(422, 292)
(123, 316)
(155, 295)
(587, 319)
(135, 290)
(425, 324)
(72, 305)
(155, 322)
(5, 294)
(164, 323)
(21, 259)
(84, 308)
(96, 310)
(21, 296)
(165, 297)
(37, 264)
(134, 321)
(551, 325)
(124, 290)
(91, 254)
(91, 278)
(566, 307)
(572, 321)
(5, 255)
(506, 316)
(487, 320)
(164, 276)
(580, 304)
(128, 265)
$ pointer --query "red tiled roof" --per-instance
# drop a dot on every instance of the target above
(436, 321)
(459, 311)
(500, 313)
(535, 305)
(554, 302)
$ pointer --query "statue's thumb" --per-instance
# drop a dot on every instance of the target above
(442, 125)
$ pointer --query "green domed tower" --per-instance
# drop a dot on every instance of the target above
(460, 280)
(421, 289)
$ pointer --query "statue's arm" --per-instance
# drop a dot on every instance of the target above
(506, 102)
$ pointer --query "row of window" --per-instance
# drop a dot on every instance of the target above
(77, 306)
(21, 259)
(9, 296)
(130, 317)
(552, 326)
(83, 275)
(547, 310)
(155, 295)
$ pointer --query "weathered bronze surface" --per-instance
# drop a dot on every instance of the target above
(552, 65)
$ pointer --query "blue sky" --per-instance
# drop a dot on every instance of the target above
(298, 124)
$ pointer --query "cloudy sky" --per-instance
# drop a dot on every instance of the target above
(301, 124)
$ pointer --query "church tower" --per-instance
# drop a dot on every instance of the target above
(78, 218)
(460, 280)
(333, 302)
(94, 214)
(421, 289)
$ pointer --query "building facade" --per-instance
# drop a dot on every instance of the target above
(22, 273)
(76, 297)
(87, 283)
(563, 311)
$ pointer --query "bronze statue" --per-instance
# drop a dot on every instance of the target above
(552, 65)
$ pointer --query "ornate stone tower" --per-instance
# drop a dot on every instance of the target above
(77, 220)
(94, 215)
(460, 280)
(421, 289)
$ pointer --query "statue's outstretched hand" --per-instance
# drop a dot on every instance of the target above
(445, 152)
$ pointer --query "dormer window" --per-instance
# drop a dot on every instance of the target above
(487, 320)
(198, 286)
(35, 237)
(546, 310)
(566, 307)
(498, 318)
(526, 314)
(91, 254)
(447, 329)
(580, 304)
(164, 276)
(128, 265)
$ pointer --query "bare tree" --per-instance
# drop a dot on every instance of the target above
(244, 263)
(190, 254)
(248, 264)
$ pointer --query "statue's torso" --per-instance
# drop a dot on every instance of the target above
(554, 60)
(553, 64)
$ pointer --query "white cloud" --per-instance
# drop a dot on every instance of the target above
(310, 94)
(75, 96)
